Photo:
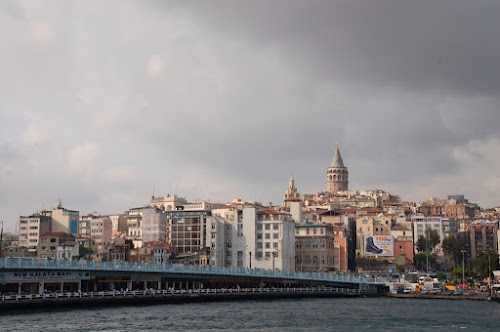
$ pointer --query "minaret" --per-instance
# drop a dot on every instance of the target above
(337, 176)
(291, 192)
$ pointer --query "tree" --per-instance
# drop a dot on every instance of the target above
(442, 276)
(486, 261)
(452, 249)
(420, 261)
(428, 242)
(85, 251)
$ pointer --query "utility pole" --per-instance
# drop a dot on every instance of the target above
(1, 238)
(489, 271)
(427, 247)
(463, 266)
(250, 260)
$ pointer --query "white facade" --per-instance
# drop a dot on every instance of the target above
(444, 227)
(30, 230)
(68, 252)
(236, 235)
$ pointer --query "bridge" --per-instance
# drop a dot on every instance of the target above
(39, 276)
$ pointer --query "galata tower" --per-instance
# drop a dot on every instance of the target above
(337, 176)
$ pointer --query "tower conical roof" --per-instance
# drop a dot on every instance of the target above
(337, 158)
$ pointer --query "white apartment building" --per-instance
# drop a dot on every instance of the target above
(251, 237)
(146, 224)
(30, 230)
(444, 227)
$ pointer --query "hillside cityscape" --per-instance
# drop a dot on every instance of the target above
(337, 230)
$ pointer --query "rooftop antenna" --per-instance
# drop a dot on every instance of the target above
(153, 191)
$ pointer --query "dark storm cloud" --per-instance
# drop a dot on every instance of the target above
(436, 46)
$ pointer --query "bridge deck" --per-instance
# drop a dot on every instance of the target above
(38, 264)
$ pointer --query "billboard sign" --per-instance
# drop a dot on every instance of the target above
(379, 245)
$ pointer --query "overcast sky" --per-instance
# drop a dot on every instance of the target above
(102, 100)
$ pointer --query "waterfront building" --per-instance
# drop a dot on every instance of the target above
(174, 202)
(119, 224)
(480, 235)
(444, 227)
(225, 231)
(251, 236)
(63, 220)
(57, 245)
(101, 230)
(314, 247)
(154, 225)
(134, 226)
(370, 225)
(119, 251)
(186, 230)
(84, 226)
(337, 176)
(15, 251)
(146, 224)
(341, 247)
(153, 253)
(30, 230)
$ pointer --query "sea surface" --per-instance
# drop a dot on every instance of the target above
(350, 314)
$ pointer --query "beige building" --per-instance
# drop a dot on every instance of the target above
(101, 230)
(57, 245)
(63, 220)
(314, 247)
(370, 225)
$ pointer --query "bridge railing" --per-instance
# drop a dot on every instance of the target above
(46, 264)
(176, 292)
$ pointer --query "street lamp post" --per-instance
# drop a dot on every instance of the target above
(250, 253)
(1, 238)
(463, 266)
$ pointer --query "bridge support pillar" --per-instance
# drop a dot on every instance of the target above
(159, 285)
(129, 285)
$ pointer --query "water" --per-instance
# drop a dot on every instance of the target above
(354, 314)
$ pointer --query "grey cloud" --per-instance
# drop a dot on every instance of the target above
(225, 99)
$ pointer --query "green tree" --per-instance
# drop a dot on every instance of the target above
(85, 251)
(420, 261)
(452, 249)
(429, 241)
(486, 261)
(441, 276)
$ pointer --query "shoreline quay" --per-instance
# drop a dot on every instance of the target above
(105, 299)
